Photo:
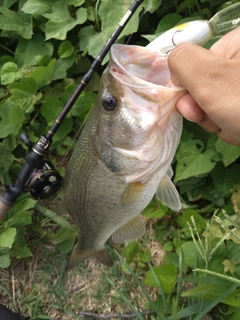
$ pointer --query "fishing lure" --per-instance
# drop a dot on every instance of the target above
(198, 31)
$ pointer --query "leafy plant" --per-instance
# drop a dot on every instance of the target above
(46, 47)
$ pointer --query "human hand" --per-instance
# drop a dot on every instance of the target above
(212, 79)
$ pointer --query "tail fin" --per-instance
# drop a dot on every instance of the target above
(78, 256)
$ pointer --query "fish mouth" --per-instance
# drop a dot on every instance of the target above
(139, 66)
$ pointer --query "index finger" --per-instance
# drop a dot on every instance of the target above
(229, 45)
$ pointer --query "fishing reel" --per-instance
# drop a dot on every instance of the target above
(45, 181)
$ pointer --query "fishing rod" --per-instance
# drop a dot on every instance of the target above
(38, 173)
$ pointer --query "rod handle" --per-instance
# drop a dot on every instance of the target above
(4, 208)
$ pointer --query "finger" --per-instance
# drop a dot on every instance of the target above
(189, 108)
(202, 74)
(227, 138)
(188, 60)
(207, 124)
(226, 46)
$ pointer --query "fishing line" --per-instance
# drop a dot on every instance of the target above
(74, 139)
(140, 18)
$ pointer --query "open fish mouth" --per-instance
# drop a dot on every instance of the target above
(137, 65)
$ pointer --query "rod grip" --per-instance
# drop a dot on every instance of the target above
(4, 208)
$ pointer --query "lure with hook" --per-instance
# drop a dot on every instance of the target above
(198, 31)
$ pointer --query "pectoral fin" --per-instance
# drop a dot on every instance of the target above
(133, 193)
(79, 256)
(130, 231)
(168, 194)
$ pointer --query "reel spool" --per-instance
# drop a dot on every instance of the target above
(45, 181)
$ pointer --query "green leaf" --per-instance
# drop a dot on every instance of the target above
(186, 4)
(191, 256)
(37, 7)
(83, 104)
(75, 3)
(51, 108)
(236, 315)
(134, 252)
(29, 52)
(21, 213)
(168, 246)
(20, 249)
(185, 218)
(152, 5)
(9, 73)
(16, 119)
(192, 160)
(8, 3)
(19, 22)
(168, 21)
(229, 153)
(233, 299)
(60, 20)
(171, 258)
(67, 245)
(156, 214)
(5, 125)
(61, 67)
(167, 275)
(22, 252)
(66, 144)
(64, 234)
(64, 130)
(24, 94)
(6, 159)
(110, 16)
(65, 49)
(26, 84)
(5, 260)
(7, 237)
(44, 75)
(22, 218)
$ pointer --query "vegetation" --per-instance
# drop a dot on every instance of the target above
(42, 59)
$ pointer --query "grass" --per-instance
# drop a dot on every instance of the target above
(40, 288)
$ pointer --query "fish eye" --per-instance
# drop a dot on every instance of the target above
(109, 103)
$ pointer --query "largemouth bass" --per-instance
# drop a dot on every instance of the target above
(124, 153)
